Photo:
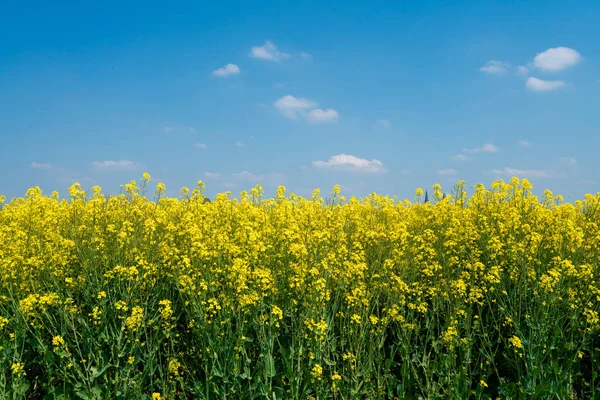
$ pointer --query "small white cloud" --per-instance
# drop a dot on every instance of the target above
(540, 85)
(200, 146)
(246, 176)
(318, 116)
(230, 185)
(295, 108)
(526, 173)
(495, 67)
(384, 123)
(306, 56)
(212, 175)
(346, 162)
(460, 157)
(114, 165)
(36, 165)
(291, 107)
(268, 52)
(524, 143)
(568, 160)
(486, 148)
(227, 70)
(445, 172)
(557, 59)
(240, 144)
(522, 70)
(168, 128)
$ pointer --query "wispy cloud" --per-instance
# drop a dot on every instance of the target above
(212, 175)
(526, 173)
(294, 108)
(568, 160)
(36, 165)
(269, 52)
(114, 165)
(557, 59)
(346, 162)
(486, 148)
(168, 128)
(306, 56)
(522, 70)
(448, 171)
(494, 67)
(240, 144)
(384, 123)
(540, 85)
(247, 176)
(191, 129)
(460, 157)
(318, 115)
(200, 146)
(524, 143)
(227, 70)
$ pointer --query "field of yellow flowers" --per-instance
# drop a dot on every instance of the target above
(141, 296)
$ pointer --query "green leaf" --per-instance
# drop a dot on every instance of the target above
(270, 366)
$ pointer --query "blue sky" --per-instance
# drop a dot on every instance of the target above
(375, 96)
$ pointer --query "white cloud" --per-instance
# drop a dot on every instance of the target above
(384, 123)
(240, 144)
(200, 146)
(486, 148)
(525, 173)
(568, 160)
(36, 165)
(346, 162)
(522, 70)
(557, 59)
(212, 175)
(495, 67)
(460, 157)
(294, 108)
(524, 143)
(168, 128)
(318, 115)
(539, 85)
(268, 51)
(247, 176)
(227, 70)
(306, 56)
(291, 107)
(230, 185)
(446, 171)
(114, 165)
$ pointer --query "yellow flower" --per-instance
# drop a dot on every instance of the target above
(131, 360)
(17, 368)
(58, 341)
(101, 294)
(516, 342)
(483, 384)
(174, 367)
(317, 371)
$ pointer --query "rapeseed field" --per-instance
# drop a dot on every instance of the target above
(141, 296)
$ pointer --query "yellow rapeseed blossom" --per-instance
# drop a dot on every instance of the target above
(215, 287)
